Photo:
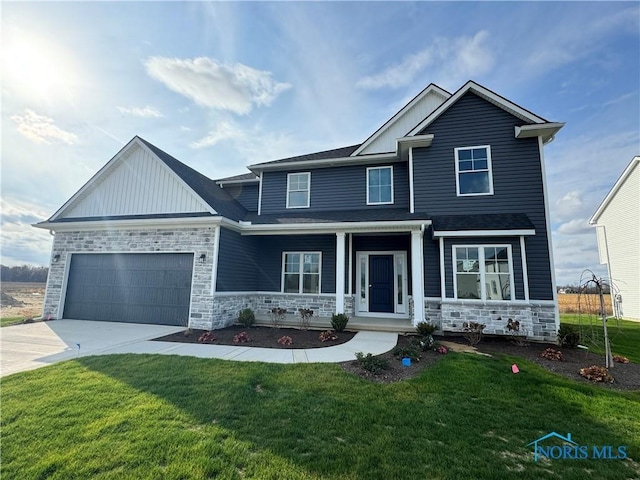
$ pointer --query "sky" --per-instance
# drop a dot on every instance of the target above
(224, 85)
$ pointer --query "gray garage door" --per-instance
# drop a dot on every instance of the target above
(131, 287)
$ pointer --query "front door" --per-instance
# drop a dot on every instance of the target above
(381, 283)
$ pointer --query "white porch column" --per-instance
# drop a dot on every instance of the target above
(340, 258)
(417, 276)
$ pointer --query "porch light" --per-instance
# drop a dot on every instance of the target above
(203, 257)
(56, 257)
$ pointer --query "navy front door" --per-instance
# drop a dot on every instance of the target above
(381, 283)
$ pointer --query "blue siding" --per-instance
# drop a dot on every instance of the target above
(238, 266)
(517, 178)
(431, 257)
(244, 193)
(340, 188)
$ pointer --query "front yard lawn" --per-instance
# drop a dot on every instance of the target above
(5, 322)
(169, 417)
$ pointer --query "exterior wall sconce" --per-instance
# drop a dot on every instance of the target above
(56, 257)
(203, 257)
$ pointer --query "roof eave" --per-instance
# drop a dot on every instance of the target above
(545, 130)
(616, 186)
(325, 162)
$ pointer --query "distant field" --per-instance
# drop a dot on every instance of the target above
(576, 303)
(22, 299)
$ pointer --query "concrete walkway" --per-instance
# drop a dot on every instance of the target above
(26, 347)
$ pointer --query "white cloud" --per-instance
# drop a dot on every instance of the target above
(223, 131)
(453, 59)
(569, 205)
(576, 227)
(142, 112)
(41, 129)
(21, 243)
(208, 83)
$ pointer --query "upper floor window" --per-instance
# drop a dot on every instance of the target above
(473, 171)
(298, 190)
(379, 185)
(483, 272)
(301, 272)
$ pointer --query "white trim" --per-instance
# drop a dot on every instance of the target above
(525, 268)
(363, 310)
(330, 296)
(417, 275)
(545, 130)
(552, 268)
(483, 233)
(482, 271)
(483, 92)
(457, 168)
(260, 195)
(289, 175)
(301, 271)
(443, 286)
(469, 301)
(350, 287)
(232, 182)
(616, 186)
(347, 227)
(340, 252)
(124, 224)
(326, 162)
(411, 194)
(214, 267)
(367, 180)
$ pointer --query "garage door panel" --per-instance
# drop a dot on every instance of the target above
(135, 288)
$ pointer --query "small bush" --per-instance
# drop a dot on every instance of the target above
(242, 337)
(410, 351)
(305, 317)
(339, 321)
(372, 364)
(472, 332)
(327, 335)
(277, 316)
(596, 374)
(246, 318)
(425, 343)
(620, 359)
(187, 332)
(285, 340)
(568, 336)
(551, 354)
(207, 337)
(425, 329)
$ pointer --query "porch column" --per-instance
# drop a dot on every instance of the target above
(340, 257)
(417, 276)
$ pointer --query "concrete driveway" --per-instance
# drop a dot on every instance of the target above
(26, 347)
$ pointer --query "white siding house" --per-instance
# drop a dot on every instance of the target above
(617, 221)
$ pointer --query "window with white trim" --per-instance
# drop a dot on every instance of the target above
(379, 185)
(473, 171)
(483, 272)
(298, 190)
(301, 272)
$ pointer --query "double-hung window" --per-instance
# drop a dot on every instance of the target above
(298, 190)
(483, 272)
(473, 171)
(379, 185)
(301, 272)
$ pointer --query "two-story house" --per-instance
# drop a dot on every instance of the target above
(440, 215)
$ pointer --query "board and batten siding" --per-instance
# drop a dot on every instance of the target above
(139, 184)
(245, 193)
(621, 220)
(340, 188)
(516, 170)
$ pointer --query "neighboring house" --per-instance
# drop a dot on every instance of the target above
(617, 222)
(440, 215)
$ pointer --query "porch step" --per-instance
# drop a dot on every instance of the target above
(356, 324)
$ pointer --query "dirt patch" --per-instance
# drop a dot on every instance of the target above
(22, 299)
(265, 337)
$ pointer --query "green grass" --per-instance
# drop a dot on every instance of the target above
(5, 322)
(623, 334)
(169, 417)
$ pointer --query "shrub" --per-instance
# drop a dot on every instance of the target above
(410, 351)
(472, 332)
(187, 332)
(305, 317)
(551, 354)
(425, 329)
(277, 316)
(620, 359)
(425, 343)
(285, 340)
(242, 337)
(596, 374)
(339, 321)
(327, 335)
(372, 364)
(568, 336)
(442, 350)
(246, 318)
(207, 337)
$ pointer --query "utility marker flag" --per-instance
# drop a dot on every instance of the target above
(514, 368)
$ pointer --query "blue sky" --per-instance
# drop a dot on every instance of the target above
(223, 85)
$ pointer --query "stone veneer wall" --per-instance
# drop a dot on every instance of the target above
(197, 240)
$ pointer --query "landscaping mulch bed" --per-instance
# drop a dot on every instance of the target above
(266, 337)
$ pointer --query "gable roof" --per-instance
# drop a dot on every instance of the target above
(324, 155)
(616, 187)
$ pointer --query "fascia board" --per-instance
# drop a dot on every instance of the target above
(483, 233)
(347, 227)
(136, 223)
(326, 162)
(616, 186)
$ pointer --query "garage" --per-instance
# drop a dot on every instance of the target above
(152, 288)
